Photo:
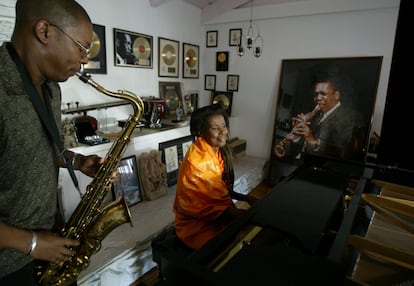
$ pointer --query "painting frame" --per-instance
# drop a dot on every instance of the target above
(223, 97)
(168, 57)
(191, 60)
(356, 80)
(128, 183)
(97, 58)
(141, 49)
(210, 82)
(171, 92)
(212, 39)
(235, 37)
(173, 152)
(222, 61)
(233, 82)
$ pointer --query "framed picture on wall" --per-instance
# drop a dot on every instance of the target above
(222, 61)
(211, 39)
(235, 37)
(127, 184)
(172, 94)
(232, 82)
(190, 60)
(332, 97)
(97, 57)
(168, 57)
(132, 49)
(225, 98)
(173, 152)
(210, 82)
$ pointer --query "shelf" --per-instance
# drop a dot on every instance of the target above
(86, 108)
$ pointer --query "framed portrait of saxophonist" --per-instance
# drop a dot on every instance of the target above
(324, 108)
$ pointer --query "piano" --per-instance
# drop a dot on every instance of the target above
(329, 222)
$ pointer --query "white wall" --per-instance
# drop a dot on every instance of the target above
(310, 29)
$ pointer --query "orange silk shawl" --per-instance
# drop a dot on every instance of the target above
(201, 196)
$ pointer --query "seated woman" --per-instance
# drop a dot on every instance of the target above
(203, 204)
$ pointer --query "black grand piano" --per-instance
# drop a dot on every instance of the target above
(316, 227)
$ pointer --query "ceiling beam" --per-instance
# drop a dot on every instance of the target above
(220, 7)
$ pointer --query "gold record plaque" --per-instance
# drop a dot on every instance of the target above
(168, 54)
(97, 56)
(190, 60)
(132, 49)
(222, 61)
(171, 93)
(224, 98)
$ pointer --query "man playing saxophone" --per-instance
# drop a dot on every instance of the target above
(329, 128)
(50, 42)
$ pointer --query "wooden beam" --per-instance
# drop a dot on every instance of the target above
(220, 7)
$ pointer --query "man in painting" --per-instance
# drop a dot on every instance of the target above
(330, 128)
(124, 50)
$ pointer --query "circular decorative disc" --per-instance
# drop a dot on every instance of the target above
(171, 100)
(221, 57)
(168, 54)
(223, 100)
(191, 58)
(141, 48)
(96, 46)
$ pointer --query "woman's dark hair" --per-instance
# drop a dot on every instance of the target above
(199, 123)
(199, 118)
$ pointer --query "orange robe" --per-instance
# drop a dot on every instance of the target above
(201, 196)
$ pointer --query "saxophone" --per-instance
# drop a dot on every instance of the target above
(90, 222)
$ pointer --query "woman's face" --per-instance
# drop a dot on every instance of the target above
(217, 133)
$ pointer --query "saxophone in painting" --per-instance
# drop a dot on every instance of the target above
(91, 222)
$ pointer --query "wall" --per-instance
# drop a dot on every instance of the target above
(308, 29)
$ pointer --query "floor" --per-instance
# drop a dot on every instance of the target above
(151, 277)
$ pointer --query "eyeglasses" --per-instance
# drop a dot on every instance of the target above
(84, 51)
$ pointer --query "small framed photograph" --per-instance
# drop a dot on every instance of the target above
(173, 152)
(210, 82)
(132, 49)
(232, 82)
(97, 58)
(127, 184)
(235, 36)
(168, 57)
(190, 60)
(211, 39)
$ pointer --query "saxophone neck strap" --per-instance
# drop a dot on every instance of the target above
(44, 111)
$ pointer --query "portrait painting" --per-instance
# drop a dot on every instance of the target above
(324, 108)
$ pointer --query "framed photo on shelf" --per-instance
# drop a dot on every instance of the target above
(97, 57)
(222, 61)
(168, 57)
(127, 184)
(232, 82)
(210, 82)
(341, 130)
(190, 60)
(225, 98)
(211, 39)
(133, 49)
(235, 37)
(173, 152)
(172, 94)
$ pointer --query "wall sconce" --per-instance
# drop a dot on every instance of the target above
(252, 39)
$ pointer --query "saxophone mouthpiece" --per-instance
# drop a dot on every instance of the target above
(83, 76)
